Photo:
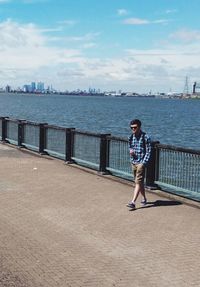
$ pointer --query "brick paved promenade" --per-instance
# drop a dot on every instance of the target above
(61, 226)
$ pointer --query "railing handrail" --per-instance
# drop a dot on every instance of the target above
(117, 138)
(178, 149)
(55, 127)
(11, 120)
(30, 123)
(87, 133)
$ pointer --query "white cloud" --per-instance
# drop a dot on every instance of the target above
(67, 22)
(170, 11)
(25, 46)
(14, 35)
(173, 56)
(160, 21)
(156, 69)
(89, 45)
(135, 21)
(167, 67)
(122, 12)
(57, 29)
(26, 53)
(139, 21)
(186, 35)
(83, 38)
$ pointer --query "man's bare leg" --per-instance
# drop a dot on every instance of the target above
(139, 188)
(136, 192)
(143, 192)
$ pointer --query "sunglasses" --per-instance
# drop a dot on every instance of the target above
(134, 127)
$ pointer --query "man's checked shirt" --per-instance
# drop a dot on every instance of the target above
(142, 148)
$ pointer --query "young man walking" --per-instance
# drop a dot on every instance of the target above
(140, 152)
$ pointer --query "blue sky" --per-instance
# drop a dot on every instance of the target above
(127, 45)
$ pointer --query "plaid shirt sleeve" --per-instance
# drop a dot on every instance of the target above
(147, 156)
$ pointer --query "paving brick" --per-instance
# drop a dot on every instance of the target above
(62, 226)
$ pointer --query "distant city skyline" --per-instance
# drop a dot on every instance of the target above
(41, 87)
(28, 87)
(128, 45)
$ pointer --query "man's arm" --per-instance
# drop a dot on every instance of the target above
(147, 156)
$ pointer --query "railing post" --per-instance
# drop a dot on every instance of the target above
(69, 145)
(20, 132)
(151, 168)
(104, 152)
(4, 129)
(157, 163)
(42, 138)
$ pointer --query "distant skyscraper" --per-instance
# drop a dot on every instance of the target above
(33, 86)
(8, 89)
(40, 86)
(27, 88)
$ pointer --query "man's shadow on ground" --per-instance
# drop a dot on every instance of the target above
(158, 203)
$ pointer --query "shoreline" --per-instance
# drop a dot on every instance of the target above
(188, 97)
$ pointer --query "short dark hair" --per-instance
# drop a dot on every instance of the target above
(136, 122)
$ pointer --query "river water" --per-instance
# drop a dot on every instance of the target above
(170, 121)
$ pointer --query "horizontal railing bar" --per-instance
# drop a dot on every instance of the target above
(181, 191)
(4, 118)
(54, 153)
(178, 149)
(56, 127)
(30, 146)
(86, 133)
(89, 163)
(11, 141)
(30, 123)
(170, 186)
(117, 138)
(120, 172)
(12, 120)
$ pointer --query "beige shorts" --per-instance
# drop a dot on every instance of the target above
(138, 172)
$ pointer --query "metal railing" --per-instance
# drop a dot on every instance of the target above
(173, 169)
(86, 149)
(178, 170)
(12, 130)
(118, 162)
(30, 135)
(55, 141)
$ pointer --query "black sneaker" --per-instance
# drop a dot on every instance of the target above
(131, 205)
(143, 202)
